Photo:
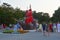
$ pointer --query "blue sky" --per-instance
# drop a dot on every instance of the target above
(48, 6)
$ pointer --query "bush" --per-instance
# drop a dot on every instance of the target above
(7, 31)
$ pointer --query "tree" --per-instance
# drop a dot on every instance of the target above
(46, 17)
(40, 16)
(6, 4)
(9, 15)
(56, 15)
(19, 14)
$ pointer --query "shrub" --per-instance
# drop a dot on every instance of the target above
(7, 31)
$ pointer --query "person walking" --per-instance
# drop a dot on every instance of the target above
(54, 27)
(40, 27)
(50, 27)
(44, 28)
(58, 27)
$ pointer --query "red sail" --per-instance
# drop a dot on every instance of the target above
(29, 17)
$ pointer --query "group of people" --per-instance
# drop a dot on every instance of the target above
(42, 27)
(46, 28)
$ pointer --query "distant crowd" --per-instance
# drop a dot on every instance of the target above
(48, 27)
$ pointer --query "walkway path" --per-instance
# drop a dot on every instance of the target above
(30, 36)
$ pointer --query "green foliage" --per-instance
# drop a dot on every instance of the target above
(9, 15)
(40, 16)
(8, 31)
(56, 15)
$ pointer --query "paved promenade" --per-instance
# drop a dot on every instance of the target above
(30, 36)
